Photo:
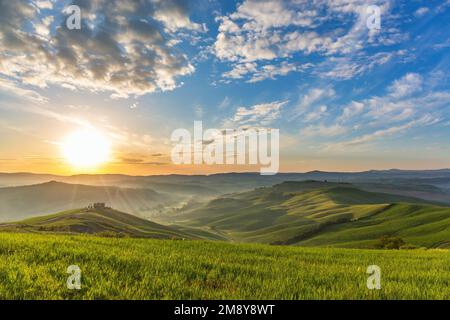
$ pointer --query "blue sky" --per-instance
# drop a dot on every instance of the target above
(345, 97)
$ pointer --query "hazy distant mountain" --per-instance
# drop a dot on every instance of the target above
(395, 181)
(10, 179)
(21, 179)
(26, 201)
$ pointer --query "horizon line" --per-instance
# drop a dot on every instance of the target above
(223, 173)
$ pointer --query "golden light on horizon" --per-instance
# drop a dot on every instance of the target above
(86, 149)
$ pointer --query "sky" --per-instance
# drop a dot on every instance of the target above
(345, 96)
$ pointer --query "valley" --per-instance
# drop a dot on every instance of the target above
(305, 213)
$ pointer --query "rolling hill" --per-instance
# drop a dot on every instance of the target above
(307, 213)
(315, 213)
(26, 201)
(101, 222)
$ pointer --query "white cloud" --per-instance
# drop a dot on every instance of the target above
(409, 84)
(253, 73)
(259, 115)
(44, 4)
(406, 105)
(313, 96)
(261, 15)
(174, 15)
(14, 90)
(273, 71)
(262, 31)
(323, 130)
(240, 70)
(136, 58)
(226, 102)
(405, 100)
(345, 68)
(421, 12)
(411, 101)
(424, 121)
(316, 114)
(351, 110)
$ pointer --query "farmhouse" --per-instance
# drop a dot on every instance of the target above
(97, 205)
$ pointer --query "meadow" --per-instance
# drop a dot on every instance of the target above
(34, 266)
(312, 213)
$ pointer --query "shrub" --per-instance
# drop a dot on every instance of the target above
(409, 247)
(387, 242)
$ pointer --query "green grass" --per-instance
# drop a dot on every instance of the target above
(322, 214)
(103, 222)
(34, 267)
(420, 225)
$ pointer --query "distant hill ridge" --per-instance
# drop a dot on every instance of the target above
(426, 184)
(11, 179)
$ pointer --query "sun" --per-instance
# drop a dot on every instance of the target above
(86, 148)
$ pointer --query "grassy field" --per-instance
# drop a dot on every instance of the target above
(102, 222)
(315, 213)
(34, 267)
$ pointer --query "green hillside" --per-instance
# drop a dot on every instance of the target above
(321, 213)
(420, 225)
(46, 198)
(102, 222)
(308, 213)
(34, 267)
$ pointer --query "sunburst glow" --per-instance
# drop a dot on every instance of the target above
(86, 148)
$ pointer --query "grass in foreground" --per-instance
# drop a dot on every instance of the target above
(34, 267)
